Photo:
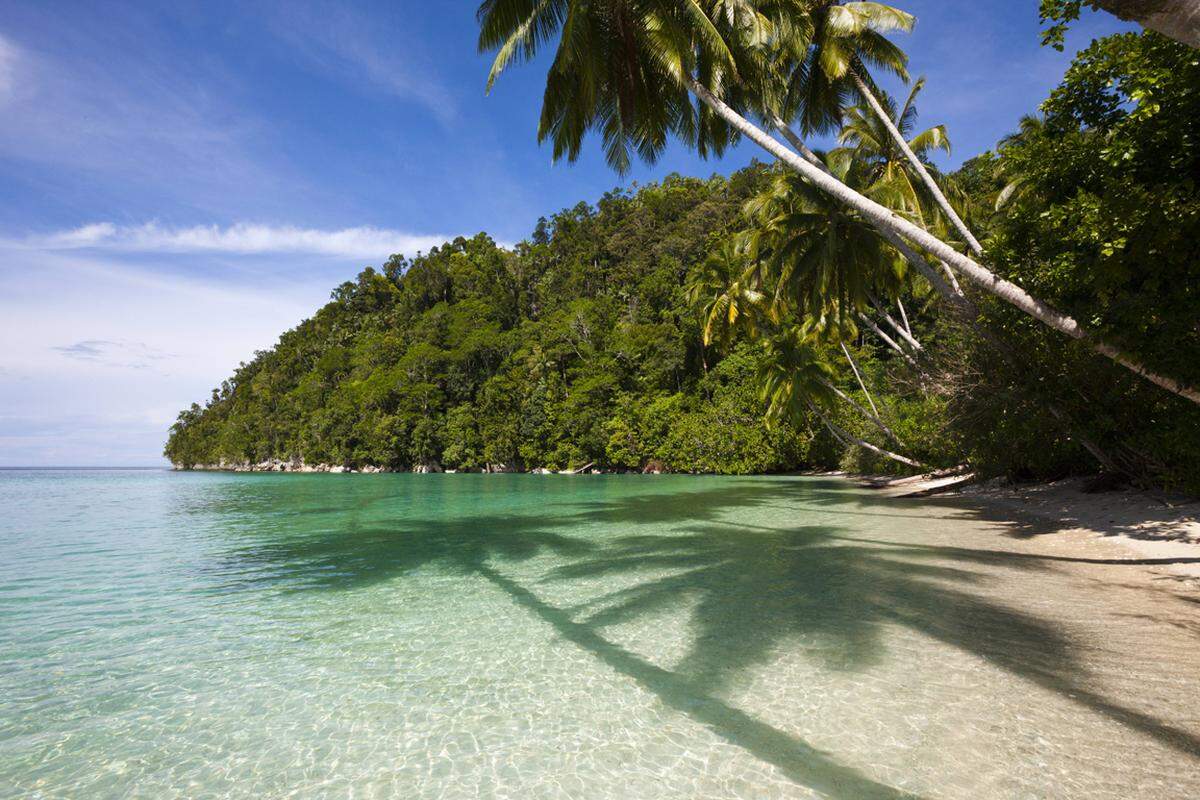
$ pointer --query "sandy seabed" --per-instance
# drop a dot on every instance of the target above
(610, 637)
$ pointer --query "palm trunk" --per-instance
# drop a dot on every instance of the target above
(903, 315)
(1005, 290)
(950, 277)
(858, 377)
(900, 330)
(851, 439)
(798, 143)
(930, 184)
(874, 418)
(1177, 19)
(889, 341)
(960, 306)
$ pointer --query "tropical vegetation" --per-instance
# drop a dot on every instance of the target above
(852, 307)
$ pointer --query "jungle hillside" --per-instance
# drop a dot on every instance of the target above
(754, 323)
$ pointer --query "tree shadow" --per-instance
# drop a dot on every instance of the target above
(751, 590)
(1002, 557)
(799, 761)
(360, 556)
(1031, 517)
(1034, 516)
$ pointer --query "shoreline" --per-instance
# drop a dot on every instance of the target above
(1157, 530)
(427, 468)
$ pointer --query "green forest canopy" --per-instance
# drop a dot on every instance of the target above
(584, 343)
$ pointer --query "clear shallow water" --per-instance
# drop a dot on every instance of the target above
(195, 635)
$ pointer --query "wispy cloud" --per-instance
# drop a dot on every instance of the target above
(8, 68)
(241, 238)
(131, 355)
(339, 42)
(153, 123)
(89, 350)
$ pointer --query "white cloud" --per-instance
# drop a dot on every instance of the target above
(241, 238)
(99, 355)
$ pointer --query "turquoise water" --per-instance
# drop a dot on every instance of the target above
(210, 635)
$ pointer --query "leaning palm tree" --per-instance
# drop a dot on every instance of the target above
(794, 380)
(848, 38)
(815, 91)
(625, 68)
(855, 31)
(824, 262)
(890, 168)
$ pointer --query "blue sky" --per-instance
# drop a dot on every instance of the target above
(181, 182)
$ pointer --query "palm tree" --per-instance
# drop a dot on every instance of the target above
(824, 259)
(825, 262)
(817, 102)
(795, 379)
(849, 37)
(727, 291)
(625, 68)
(823, 265)
(1018, 185)
(727, 288)
(615, 70)
(891, 170)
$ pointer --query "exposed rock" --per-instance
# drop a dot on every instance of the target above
(294, 464)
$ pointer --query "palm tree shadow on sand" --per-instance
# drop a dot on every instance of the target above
(751, 588)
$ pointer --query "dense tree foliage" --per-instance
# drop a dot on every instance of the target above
(578, 346)
(753, 323)
(1100, 213)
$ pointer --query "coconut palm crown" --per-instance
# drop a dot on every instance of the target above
(845, 38)
(890, 169)
(619, 64)
(822, 259)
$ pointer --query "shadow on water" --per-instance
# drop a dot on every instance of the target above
(752, 589)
